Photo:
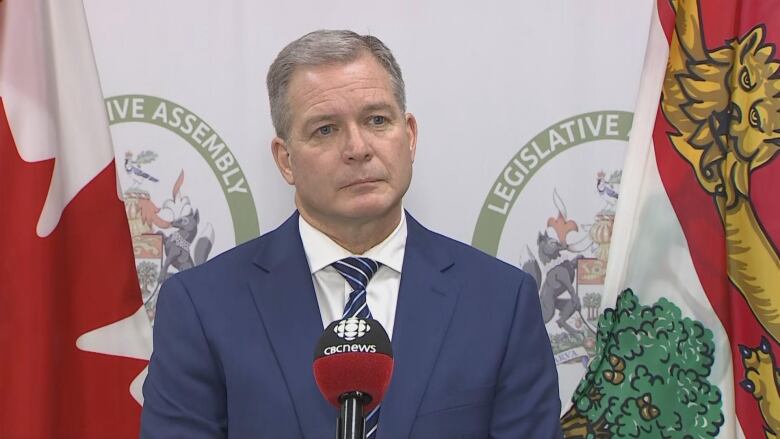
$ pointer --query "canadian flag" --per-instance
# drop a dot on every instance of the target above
(688, 345)
(74, 336)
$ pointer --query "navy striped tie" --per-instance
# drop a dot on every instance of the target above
(358, 272)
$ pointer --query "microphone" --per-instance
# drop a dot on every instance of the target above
(353, 364)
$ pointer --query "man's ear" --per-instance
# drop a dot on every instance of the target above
(281, 154)
(411, 132)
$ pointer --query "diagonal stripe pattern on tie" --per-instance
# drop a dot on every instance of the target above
(358, 272)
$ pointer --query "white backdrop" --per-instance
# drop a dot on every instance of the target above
(483, 79)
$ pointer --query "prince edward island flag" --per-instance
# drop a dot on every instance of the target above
(687, 345)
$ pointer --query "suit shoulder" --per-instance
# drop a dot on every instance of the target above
(480, 261)
(229, 266)
(237, 256)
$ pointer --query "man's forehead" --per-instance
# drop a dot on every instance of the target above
(362, 71)
(361, 85)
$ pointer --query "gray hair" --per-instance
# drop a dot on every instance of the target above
(319, 48)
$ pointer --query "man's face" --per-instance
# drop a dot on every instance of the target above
(350, 148)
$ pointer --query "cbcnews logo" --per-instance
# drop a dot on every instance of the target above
(347, 348)
(352, 328)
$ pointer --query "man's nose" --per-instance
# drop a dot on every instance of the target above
(356, 145)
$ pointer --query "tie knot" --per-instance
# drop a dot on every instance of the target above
(357, 271)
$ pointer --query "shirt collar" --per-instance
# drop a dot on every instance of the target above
(321, 251)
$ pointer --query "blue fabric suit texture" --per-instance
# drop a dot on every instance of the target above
(234, 343)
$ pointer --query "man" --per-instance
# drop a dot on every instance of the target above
(234, 338)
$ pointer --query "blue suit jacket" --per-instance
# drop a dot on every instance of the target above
(234, 342)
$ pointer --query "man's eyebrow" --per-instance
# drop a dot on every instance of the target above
(318, 118)
(379, 106)
(370, 108)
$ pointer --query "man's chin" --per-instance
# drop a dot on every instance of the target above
(370, 209)
(362, 209)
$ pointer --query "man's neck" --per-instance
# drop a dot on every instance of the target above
(356, 236)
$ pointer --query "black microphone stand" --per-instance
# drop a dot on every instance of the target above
(351, 423)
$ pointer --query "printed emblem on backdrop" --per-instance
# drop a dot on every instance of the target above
(172, 219)
(566, 251)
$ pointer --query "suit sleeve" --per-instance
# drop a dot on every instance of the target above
(184, 393)
(527, 404)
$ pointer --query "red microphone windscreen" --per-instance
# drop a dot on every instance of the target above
(353, 355)
(341, 373)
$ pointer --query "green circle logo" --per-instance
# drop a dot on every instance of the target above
(202, 137)
(555, 139)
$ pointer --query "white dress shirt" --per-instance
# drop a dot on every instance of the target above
(333, 290)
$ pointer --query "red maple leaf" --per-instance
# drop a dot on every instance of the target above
(54, 289)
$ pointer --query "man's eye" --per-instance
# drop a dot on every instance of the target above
(377, 120)
(325, 130)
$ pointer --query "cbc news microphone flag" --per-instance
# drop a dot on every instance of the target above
(688, 347)
(74, 337)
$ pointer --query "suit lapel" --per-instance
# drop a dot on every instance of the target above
(285, 299)
(426, 301)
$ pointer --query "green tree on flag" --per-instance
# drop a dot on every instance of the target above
(649, 377)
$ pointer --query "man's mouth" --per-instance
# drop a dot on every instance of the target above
(361, 181)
